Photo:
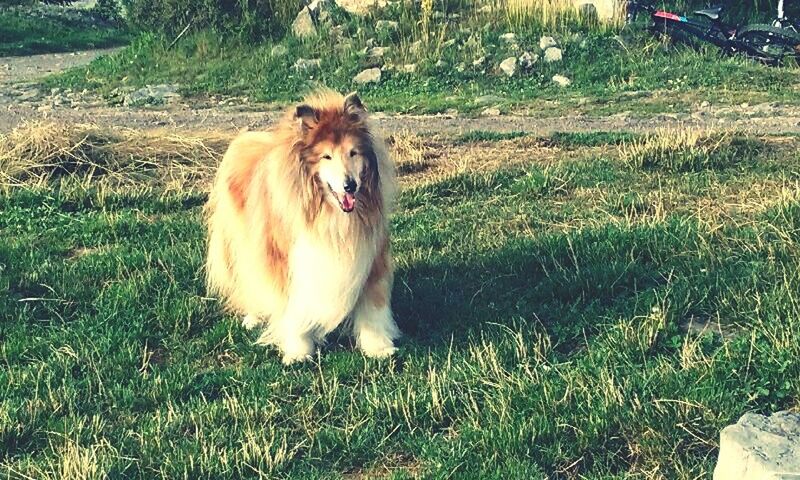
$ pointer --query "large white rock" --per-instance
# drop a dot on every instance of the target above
(509, 66)
(760, 448)
(546, 42)
(606, 9)
(553, 54)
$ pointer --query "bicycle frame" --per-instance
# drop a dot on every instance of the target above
(713, 31)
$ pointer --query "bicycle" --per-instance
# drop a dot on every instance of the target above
(768, 43)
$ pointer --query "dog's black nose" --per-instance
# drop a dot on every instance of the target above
(350, 185)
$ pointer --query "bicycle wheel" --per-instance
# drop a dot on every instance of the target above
(768, 43)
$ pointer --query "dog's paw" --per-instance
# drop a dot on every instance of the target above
(380, 352)
(295, 357)
(251, 321)
(295, 350)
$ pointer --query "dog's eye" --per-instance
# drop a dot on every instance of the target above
(353, 153)
(326, 157)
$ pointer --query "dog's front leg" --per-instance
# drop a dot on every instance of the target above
(373, 325)
(291, 335)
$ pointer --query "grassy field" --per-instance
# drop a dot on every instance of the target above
(454, 49)
(27, 34)
(578, 306)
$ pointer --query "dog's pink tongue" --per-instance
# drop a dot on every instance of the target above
(348, 201)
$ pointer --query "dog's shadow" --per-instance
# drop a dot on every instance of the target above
(562, 284)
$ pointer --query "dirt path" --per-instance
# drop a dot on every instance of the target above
(33, 67)
(766, 120)
(21, 100)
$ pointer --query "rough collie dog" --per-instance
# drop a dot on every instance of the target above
(298, 235)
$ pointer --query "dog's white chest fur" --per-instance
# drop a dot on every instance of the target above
(325, 281)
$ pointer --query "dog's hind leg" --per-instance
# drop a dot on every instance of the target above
(373, 325)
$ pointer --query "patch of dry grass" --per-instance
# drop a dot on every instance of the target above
(37, 153)
(691, 150)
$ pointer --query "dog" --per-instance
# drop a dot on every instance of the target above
(298, 237)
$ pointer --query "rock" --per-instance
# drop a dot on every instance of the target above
(605, 10)
(442, 64)
(527, 60)
(553, 54)
(705, 104)
(27, 95)
(509, 66)
(745, 105)
(479, 62)
(409, 68)
(546, 42)
(370, 75)
(303, 24)
(760, 448)
(491, 112)
(303, 64)
(377, 52)
(306, 21)
(508, 38)
(562, 81)
(279, 50)
(359, 7)
(386, 26)
(152, 95)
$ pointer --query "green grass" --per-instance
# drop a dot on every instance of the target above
(25, 34)
(475, 136)
(608, 76)
(542, 308)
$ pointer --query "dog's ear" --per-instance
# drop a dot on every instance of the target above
(353, 108)
(306, 116)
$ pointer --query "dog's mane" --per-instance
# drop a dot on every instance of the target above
(332, 122)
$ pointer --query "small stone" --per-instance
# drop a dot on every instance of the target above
(491, 112)
(153, 95)
(546, 42)
(409, 68)
(303, 25)
(562, 81)
(279, 50)
(479, 62)
(705, 104)
(760, 448)
(303, 64)
(553, 54)
(509, 66)
(527, 60)
(508, 38)
(745, 105)
(370, 75)
(378, 52)
(28, 95)
(442, 64)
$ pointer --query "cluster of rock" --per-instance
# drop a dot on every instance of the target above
(33, 96)
(550, 53)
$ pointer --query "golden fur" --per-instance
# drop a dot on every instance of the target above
(283, 249)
